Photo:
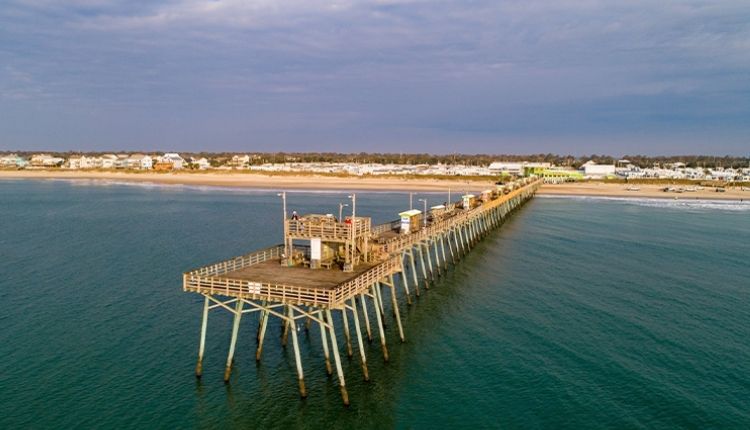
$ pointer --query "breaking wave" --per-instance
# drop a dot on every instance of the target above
(679, 204)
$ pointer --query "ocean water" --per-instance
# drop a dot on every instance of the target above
(576, 313)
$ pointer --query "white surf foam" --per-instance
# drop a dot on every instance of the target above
(681, 204)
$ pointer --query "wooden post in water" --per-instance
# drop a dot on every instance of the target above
(360, 344)
(297, 359)
(405, 283)
(347, 334)
(262, 333)
(323, 339)
(202, 344)
(367, 318)
(379, 317)
(413, 271)
(337, 359)
(233, 341)
(394, 302)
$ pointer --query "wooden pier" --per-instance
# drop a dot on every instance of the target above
(344, 266)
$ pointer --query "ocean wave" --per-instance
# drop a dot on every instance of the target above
(656, 202)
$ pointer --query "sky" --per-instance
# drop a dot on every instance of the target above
(571, 77)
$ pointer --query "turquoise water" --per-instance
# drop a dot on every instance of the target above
(577, 313)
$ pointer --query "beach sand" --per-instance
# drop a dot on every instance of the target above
(601, 189)
(254, 180)
(313, 182)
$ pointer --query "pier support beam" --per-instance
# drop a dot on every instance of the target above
(285, 330)
(394, 302)
(426, 246)
(233, 341)
(379, 317)
(261, 333)
(337, 358)
(424, 268)
(202, 344)
(360, 344)
(437, 255)
(442, 247)
(347, 334)
(297, 359)
(323, 339)
(414, 271)
(405, 283)
(367, 318)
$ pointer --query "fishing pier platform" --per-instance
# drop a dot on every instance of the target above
(328, 266)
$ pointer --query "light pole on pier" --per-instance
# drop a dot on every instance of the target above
(341, 209)
(349, 264)
(424, 215)
(285, 260)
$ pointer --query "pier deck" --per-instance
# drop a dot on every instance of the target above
(272, 271)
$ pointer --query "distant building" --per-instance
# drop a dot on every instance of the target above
(201, 163)
(13, 160)
(45, 160)
(241, 161)
(592, 170)
(172, 158)
(139, 162)
(517, 168)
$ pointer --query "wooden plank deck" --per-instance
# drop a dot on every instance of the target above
(271, 272)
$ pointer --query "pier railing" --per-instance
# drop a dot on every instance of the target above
(328, 229)
(258, 290)
(363, 281)
(240, 262)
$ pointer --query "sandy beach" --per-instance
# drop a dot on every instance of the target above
(310, 182)
(253, 180)
(601, 189)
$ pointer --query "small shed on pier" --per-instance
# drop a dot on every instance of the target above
(411, 220)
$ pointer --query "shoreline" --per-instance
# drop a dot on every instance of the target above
(329, 183)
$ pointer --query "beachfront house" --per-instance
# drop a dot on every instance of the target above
(13, 160)
(201, 163)
(75, 162)
(240, 161)
(173, 159)
(46, 160)
(503, 168)
(139, 162)
(106, 161)
(597, 171)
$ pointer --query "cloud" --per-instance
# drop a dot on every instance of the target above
(456, 67)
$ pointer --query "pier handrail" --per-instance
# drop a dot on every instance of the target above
(240, 262)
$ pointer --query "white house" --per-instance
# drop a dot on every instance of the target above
(174, 159)
(107, 161)
(139, 162)
(593, 170)
(12, 160)
(45, 160)
(240, 161)
(202, 163)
